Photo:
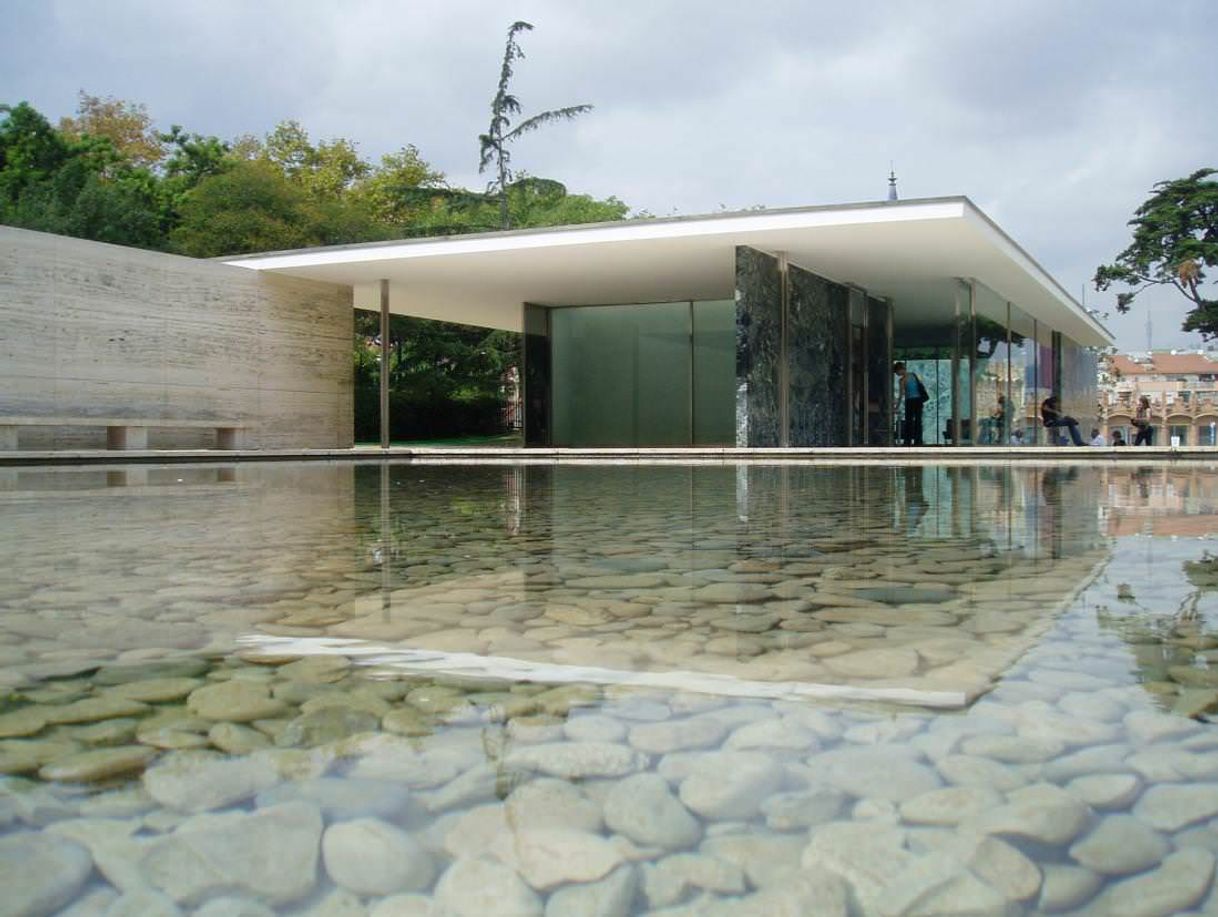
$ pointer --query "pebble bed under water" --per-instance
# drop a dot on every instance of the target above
(418, 689)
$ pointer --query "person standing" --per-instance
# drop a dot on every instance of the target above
(914, 394)
(1141, 423)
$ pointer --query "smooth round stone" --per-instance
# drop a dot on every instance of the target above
(577, 760)
(594, 728)
(372, 857)
(550, 803)
(1067, 887)
(1172, 807)
(1011, 749)
(25, 721)
(612, 896)
(477, 886)
(644, 809)
(667, 880)
(678, 735)
(1179, 883)
(316, 669)
(793, 811)
(236, 701)
(1042, 813)
(22, 756)
(905, 595)
(100, 764)
(408, 905)
(968, 770)
(877, 663)
(156, 690)
(746, 623)
(1120, 845)
(41, 873)
(767, 860)
(197, 782)
(731, 593)
(236, 739)
(342, 798)
(774, 734)
(230, 906)
(92, 709)
(1106, 791)
(548, 857)
(187, 667)
(950, 805)
(270, 854)
(880, 772)
(730, 784)
(407, 721)
(329, 724)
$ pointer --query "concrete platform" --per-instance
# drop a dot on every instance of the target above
(687, 455)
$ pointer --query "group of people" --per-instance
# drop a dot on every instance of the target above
(915, 395)
(1052, 417)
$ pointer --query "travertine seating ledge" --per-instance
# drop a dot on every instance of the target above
(122, 433)
(688, 455)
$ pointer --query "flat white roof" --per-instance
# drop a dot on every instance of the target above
(910, 251)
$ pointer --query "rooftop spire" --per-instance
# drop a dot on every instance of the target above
(892, 183)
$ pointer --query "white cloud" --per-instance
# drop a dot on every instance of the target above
(1056, 118)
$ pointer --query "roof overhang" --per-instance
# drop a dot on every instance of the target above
(913, 252)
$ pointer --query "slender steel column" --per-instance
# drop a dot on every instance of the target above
(384, 373)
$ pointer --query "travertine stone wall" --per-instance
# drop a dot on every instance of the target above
(88, 329)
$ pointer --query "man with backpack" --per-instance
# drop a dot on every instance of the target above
(915, 395)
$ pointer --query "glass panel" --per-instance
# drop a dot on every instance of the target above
(714, 367)
(1079, 395)
(535, 343)
(1207, 432)
(1025, 409)
(1177, 435)
(879, 370)
(991, 369)
(662, 406)
(621, 375)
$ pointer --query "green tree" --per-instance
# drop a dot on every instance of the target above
(126, 125)
(493, 144)
(1175, 239)
(401, 189)
(79, 187)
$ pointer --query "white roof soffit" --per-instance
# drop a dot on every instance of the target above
(911, 251)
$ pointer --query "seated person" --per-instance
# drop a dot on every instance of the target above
(1098, 438)
(1052, 417)
(1118, 439)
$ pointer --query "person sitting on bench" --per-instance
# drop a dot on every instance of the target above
(1053, 418)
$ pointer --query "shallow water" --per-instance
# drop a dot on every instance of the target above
(527, 689)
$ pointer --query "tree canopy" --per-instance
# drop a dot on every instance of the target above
(1175, 239)
(107, 174)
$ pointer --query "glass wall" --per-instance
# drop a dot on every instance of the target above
(714, 372)
(1076, 366)
(657, 374)
(1025, 409)
(991, 368)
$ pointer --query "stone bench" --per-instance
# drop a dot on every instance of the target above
(122, 432)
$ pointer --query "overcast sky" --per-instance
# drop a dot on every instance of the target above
(1055, 116)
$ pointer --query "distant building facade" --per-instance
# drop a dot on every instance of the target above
(1182, 387)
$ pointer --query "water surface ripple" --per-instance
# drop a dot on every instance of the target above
(412, 689)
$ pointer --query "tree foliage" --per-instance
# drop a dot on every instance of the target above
(107, 174)
(504, 106)
(1175, 239)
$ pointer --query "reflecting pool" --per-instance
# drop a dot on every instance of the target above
(438, 689)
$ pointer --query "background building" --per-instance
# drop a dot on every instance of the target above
(1182, 387)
